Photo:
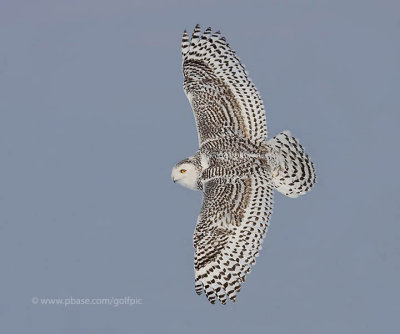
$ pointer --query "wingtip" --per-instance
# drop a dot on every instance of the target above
(196, 32)
(185, 42)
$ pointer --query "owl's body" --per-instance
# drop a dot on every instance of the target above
(236, 167)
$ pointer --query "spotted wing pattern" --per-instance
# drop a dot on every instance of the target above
(218, 88)
(229, 232)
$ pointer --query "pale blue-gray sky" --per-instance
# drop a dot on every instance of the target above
(93, 117)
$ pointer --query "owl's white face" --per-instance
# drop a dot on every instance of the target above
(186, 174)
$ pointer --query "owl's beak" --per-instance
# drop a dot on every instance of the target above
(173, 179)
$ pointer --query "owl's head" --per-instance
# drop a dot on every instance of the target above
(187, 174)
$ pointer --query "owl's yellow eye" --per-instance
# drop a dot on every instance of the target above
(182, 171)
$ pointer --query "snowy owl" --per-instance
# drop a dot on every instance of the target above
(235, 167)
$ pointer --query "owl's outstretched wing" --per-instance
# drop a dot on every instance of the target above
(229, 232)
(218, 88)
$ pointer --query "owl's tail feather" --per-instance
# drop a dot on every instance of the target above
(295, 174)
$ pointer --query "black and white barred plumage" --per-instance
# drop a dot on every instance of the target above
(235, 167)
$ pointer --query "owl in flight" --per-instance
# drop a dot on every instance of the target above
(235, 167)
